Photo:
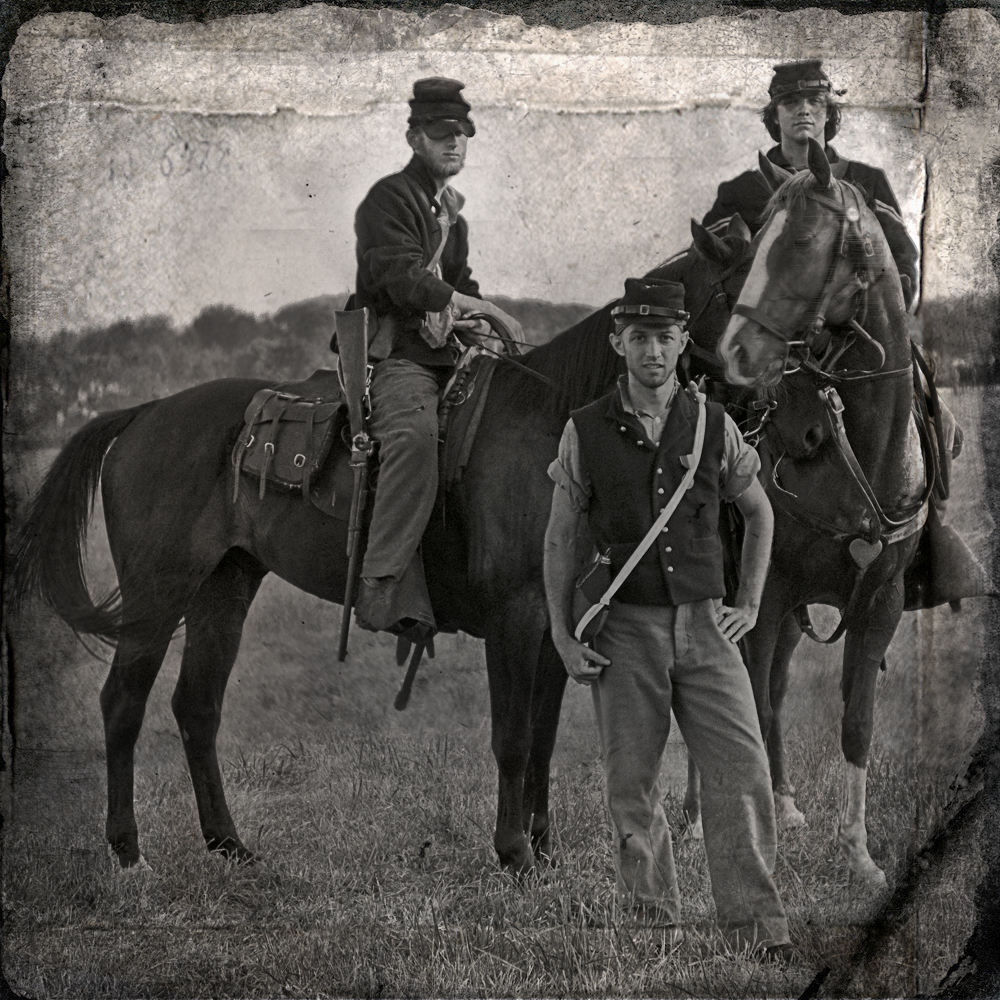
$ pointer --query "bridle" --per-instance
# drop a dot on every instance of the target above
(818, 347)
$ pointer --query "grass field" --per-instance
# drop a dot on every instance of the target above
(378, 876)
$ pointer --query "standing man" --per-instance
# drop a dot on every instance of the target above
(802, 108)
(668, 641)
(414, 276)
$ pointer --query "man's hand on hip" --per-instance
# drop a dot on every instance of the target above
(581, 662)
(734, 623)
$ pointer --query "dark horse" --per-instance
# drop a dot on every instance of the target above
(183, 550)
(839, 460)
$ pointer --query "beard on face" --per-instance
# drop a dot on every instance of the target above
(438, 159)
(444, 168)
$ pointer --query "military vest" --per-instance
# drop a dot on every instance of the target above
(632, 481)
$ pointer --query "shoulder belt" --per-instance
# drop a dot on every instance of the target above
(690, 462)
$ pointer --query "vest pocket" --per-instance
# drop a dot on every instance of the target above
(708, 545)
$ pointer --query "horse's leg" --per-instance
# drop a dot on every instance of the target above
(513, 643)
(692, 803)
(136, 662)
(546, 701)
(864, 646)
(214, 624)
(787, 814)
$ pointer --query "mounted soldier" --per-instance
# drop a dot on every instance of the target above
(414, 276)
(802, 108)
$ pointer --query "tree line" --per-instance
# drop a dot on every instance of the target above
(57, 385)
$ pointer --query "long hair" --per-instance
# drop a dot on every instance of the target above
(769, 116)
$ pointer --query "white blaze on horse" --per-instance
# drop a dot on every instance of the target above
(822, 310)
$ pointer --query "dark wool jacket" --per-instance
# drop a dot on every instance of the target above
(397, 233)
(749, 194)
(633, 479)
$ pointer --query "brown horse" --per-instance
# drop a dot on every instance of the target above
(183, 550)
(822, 309)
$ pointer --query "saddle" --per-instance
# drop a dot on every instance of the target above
(296, 439)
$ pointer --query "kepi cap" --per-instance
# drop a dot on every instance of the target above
(655, 298)
(798, 78)
(439, 99)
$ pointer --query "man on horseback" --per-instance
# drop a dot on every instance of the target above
(668, 641)
(414, 276)
(801, 108)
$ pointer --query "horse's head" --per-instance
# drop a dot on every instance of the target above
(817, 253)
(712, 270)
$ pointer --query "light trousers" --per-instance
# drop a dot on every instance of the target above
(663, 658)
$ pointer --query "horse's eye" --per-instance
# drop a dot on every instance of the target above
(803, 241)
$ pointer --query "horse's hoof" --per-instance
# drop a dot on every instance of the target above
(127, 866)
(867, 876)
(787, 815)
(519, 867)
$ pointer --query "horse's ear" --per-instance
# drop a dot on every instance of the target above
(738, 228)
(773, 174)
(709, 244)
(819, 165)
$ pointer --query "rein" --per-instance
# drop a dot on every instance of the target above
(877, 531)
(815, 329)
(501, 333)
(877, 528)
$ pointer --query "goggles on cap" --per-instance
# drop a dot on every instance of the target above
(441, 128)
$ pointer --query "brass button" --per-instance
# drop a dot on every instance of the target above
(660, 490)
(670, 569)
(668, 549)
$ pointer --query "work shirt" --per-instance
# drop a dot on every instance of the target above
(749, 195)
(738, 468)
(397, 233)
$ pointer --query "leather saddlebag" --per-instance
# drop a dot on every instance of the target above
(285, 440)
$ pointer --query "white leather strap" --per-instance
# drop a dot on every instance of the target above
(691, 462)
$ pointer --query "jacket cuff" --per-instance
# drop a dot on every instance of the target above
(432, 294)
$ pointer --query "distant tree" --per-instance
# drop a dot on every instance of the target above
(311, 320)
(226, 327)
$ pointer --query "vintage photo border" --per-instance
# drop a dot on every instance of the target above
(981, 808)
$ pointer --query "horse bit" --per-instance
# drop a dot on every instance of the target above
(819, 353)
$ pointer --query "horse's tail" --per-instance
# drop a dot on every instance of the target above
(49, 548)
